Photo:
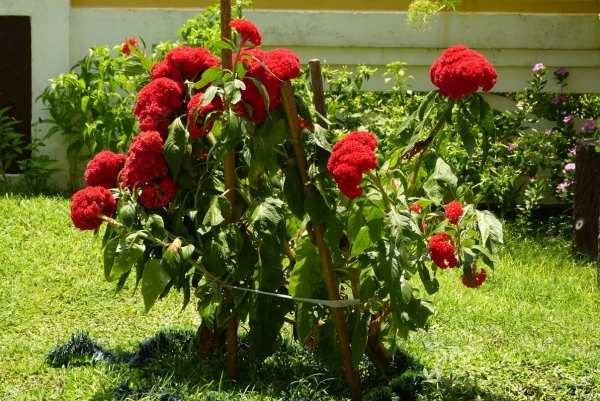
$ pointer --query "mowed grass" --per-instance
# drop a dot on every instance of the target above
(531, 332)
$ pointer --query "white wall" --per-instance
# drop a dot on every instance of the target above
(513, 43)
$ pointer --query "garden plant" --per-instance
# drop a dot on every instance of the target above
(234, 194)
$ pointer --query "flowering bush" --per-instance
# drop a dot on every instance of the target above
(225, 197)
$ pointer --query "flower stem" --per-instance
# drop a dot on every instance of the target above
(375, 180)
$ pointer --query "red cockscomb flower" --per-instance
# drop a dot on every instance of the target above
(416, 207)
(191, 61)
(478, 277)
(126, 46)
(460, 71)
(145, 161)
(441, 249)
(103, 170)
(284, 63)
(247, 30)
(163, 69)
(453, 211)
(197, 113)
(156, 102)
(158, 192)
(88, 204)
(350, 157)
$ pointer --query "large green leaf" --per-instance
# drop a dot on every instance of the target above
(466, 135)
(440, 182)
(214, 216)
(307, 272)
(359, 331)
(266, 216)
(316, 208)
(389, 263)
(233, 130)
(178, 148)
(154, 280)
(293, 192)
(367, 237)
(130, 249)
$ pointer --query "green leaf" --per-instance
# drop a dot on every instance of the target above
(178, 148)
(428, 279)
(154, 280)
(84, 103)
(367, 237)
(359, 330)
(495, 226)
(156, 226)
(307, 274)
(209, 76)
(110, 251)
(233, 130)
(316, 208)
(172, 258)
(265, 217)
(466, 135)
(389, 263)
(305, 321)
(127, 215)
(131, 248)
(322, 138)
(368, 284)
(219, 205)
(440, 182)
(293, 192)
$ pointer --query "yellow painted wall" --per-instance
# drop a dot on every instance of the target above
(484, 6)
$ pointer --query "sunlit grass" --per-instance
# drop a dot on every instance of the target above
(530, 332)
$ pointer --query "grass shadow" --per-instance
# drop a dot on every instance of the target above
(166, 367)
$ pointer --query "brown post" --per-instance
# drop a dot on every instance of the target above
(331, 282)
(318, 91)
(230, 183)
(586, 202)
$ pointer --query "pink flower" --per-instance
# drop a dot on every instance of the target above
(510, 147)
(567, 118)
(589, 125)
(548, 131)
(573, 151)
(564, 185)
(569, 166)
(537, 67)
(561, 71)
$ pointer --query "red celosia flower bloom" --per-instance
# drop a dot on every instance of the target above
(350, 157)
(145, 161)
(460, 71)
(284, 63)
(478, 277)
(191, 62)
(453, 211)
(164, 69)
(130, 42)
(104, 169)
(416, 207)
(247, 30)
(441, 249)
(88, 204)
(158, 192)
(198, 127)
(156, 102)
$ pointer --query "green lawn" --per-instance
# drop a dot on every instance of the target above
(531, 332)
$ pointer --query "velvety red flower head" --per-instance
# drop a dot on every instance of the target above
(416, 207)
(478, 277)
(284, 63)
(350, 158)
(163, 69)
(88, 204)
(453, 211)
(191, 61)
(130, 42)
(441, 249)
(158, 192)
(156, 102)
(197, 114)
(247, 30)
(103, 170)
(460, 71)
(252, 96)
(146, 161)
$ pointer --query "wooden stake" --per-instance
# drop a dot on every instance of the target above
(331, 282)
(232, 324)
(318, 92)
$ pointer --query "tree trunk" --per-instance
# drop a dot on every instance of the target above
(586, 203)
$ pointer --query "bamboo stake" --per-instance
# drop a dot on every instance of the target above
(331, 282)
(318, 92)
(230, 184)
